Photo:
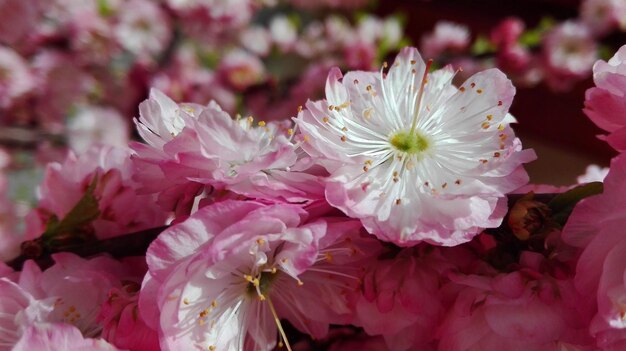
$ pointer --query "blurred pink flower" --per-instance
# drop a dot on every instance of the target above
(447, 36)
(241, 70)
(91, 37)
(185, 79)
(17, 18)
(54, 337)
(257, 40)
(394, 157)
(507, 32)
(605, 104)
(16, 78)
(93, 125)
(569, 52)
(61, 85)
(143, 28)
(602, 16)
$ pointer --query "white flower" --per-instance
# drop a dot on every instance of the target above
(412, 156)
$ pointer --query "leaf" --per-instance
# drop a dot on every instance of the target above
(482, 46)
(563, 204)
(533, 37)
(85, 211)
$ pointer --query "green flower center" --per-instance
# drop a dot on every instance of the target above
(411, 143)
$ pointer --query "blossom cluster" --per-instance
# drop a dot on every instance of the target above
(379, 217)
(65, 62)
(560, 54)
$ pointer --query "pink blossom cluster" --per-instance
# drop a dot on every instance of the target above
(557, 53)
(76, 70)
(376, 219)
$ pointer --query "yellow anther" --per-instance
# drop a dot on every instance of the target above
(261, 123)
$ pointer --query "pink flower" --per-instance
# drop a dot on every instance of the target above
(91, 37)
(60, 85)
(223, 278)
(596, 225)
(446, 36)
(54, 337)
(16, 78)
(143, 29)
(123, 325)
(569, 53)
(121, 210)
(602, 16)
(240, 69)
(523, 310)
(18, 310)
(213, 20)
(283, 32)
(605, 104)
(185, 79)
(17, 18)
(431, 165)
(97, 125)
(401, 298)
(507, 32)
(78, 287)
(257, 40)
(214, 150)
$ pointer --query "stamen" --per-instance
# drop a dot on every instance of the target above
(280, 327)
(418, 103)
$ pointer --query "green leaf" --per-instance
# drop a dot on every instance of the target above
(104, 8)
(85, 211)
(533, 37)
(563, 204)
(482, 45)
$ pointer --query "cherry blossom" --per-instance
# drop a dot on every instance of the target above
(400, 162)
(223, 278)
